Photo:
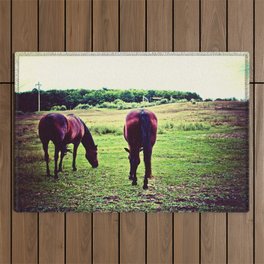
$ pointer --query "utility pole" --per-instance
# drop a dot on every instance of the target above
(37, 86)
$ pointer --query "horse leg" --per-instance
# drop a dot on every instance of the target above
(46, 156)
(75, 147)
(56, 156)
(134, 174)
(134, 180)
(62, 154)
(147, 161)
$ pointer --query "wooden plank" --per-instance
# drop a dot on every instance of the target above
(259, 39)
(51, 38)
(132, 38)
(78, 25)
(186, 238)
(186, 38)
(105, 29)
(51, 25)
(159, 25)
(159, 238)
(105, 38)
(132, 238)
(78, 38)
(240, 225)
(5, 19)
(213, 38)
(213, 238)
(213, 18)
(51, 238)
(159, 38)
(78, 243)
(132, 25)
(259, 170)
(5, 176)
(240, 28)
(105, 238)
(186, 25)
(24, 225)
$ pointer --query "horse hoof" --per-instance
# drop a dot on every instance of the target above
(74, 169)
(145, 187)
(134, 183)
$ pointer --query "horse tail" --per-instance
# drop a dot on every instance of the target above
(145, 127)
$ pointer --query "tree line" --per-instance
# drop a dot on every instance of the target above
(72, 98)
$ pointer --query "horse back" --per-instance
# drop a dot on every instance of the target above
(132, 128)
(53, 127)
(75, 129)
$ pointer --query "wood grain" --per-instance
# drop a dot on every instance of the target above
(132, 25)
(186, 238)
(78, 38)
(259, 170)
(213, 18)
(159, 238)
(51, 38)
(132, 225)
(105, 238)
(240, 225)
(186, 25)
(259, 40)
(213, 239)
(78, 239)
(240, 28)
(51, 25)
(132, 238)
(5, 175)
(159, 38)
(213, 38)
(51, 238)
(159, 25)
(105, 38)
(24, 225)
(5, 45)
(105, 21)
(186, 38)
(78, 25)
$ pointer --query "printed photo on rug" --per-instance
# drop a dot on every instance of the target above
(131, 132)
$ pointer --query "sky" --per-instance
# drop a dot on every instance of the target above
(217, 76)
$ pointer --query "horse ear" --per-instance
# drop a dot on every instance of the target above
(127, 150)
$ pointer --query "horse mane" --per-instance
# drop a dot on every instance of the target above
(87, 139)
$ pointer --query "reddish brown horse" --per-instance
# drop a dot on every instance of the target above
(140, 132)
(63, 130)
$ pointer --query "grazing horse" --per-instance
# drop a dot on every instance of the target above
(140, 132)
(63, 130)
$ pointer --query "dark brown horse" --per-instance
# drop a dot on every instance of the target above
(63, 130)
(140, 132)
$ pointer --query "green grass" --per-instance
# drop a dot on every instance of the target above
(199, 163)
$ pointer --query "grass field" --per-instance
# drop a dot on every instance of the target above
(199, 163)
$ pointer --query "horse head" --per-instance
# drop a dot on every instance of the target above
(91, 156)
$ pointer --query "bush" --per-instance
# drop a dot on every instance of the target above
(82, 106)
(58, 108)
(103, 130)
(193, 126)
(164, 101)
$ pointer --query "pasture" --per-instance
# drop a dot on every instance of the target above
(199, 163)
